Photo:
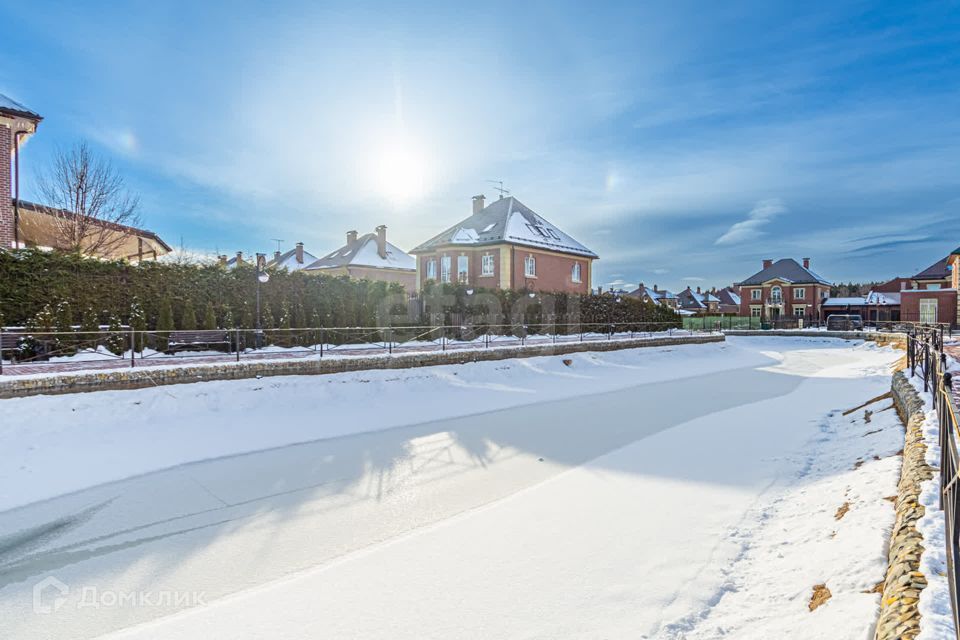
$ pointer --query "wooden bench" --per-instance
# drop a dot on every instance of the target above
(201, 338)
(10, 340)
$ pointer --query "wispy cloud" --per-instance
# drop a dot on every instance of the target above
(694, 279)
(752, 228)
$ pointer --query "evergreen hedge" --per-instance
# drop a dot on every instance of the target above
(53, 290)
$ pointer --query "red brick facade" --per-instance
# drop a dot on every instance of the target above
(553, 271)
(940, 305)
(6, 197)
(790, 305)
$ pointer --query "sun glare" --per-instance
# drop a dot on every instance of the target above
(401, 172)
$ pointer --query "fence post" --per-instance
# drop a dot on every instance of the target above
(237, 346)
(389, 340)
(133, 346)
(1, 351)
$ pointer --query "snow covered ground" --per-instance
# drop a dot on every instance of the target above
(687, 492)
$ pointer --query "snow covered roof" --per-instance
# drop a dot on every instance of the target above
(788, 270)
(14, 108)
(844, 302)
(289, 261)
(363, 253)
(879, 298)
(728, 296)
(507, 220)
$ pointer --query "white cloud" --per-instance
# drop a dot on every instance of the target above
(752, 228)
(693, 279)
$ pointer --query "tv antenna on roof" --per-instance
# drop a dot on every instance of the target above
(499, 187)
(278, 241)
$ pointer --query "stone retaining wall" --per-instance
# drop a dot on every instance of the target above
(899, 615)
(155, 376)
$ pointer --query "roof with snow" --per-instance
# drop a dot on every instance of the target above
(937, 271)
(288, 260)
(882, 298)
(507, 220)
(728, 296)
(690, 299)
(657, 295)
(363, 253)
(788, 270)
(844, 302)
(14, 108)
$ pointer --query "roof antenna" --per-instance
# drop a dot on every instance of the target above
(499, 187)
(278, 241)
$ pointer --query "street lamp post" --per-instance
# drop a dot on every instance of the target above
(262, 277)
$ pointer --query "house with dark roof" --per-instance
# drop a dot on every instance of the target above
(783, 288)
(369, 257)
(655, 295)
(29, 224)
(505, 245)
(729, 298)
(698, 302)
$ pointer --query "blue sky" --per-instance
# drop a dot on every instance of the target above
(684, 142)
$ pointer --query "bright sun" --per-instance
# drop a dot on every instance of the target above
(401, 172)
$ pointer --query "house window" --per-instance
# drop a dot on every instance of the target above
(486, 265)
(576, 274)
(755, 294)
(530, 267)
(799, 293)
(799, 311)
(933, 286)
(755, 311)
(445, 269)
(432, 269)
(928, 311)
(462, 268)
(776, 295)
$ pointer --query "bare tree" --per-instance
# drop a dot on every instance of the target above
(88, 201)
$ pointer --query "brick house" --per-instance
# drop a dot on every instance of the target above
(655, 295)
(369, 257)
(931, 295)
(506, 246)
(784, 288)
(698, 302)
(729, 298)
(27, 224)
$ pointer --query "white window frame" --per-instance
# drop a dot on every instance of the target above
(929, 310)
(487, 265)
(756, 294)
(463, 268)
(432, 269)
(445, 265)
(756, 311)
(530, 266)
(799, 293)
(799, 310)
(776, 293)
(576, 272)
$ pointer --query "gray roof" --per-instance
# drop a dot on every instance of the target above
(13, 107)
(507, 220)
(786, 269)
(288, 260)
(363, 253)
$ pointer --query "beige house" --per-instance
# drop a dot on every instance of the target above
(27, 224)
(369, 257)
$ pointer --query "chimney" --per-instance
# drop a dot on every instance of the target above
(698, 289)
(299, 253)
(351, 238)
(239, 257)
(478, 203)
(655, 288)
(222, 259)
(767, 263)
(6, 196)
(382, 241)
(276, 255)
(806, 263)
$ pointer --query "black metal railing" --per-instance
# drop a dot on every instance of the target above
(29, 351)
(925, 357)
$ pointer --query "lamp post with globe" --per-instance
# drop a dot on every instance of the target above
(262, 277)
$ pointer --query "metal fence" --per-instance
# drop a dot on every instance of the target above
(23, 351)
(925, 357)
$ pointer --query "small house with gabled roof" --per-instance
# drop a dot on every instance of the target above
(505, 245)
(369, 257)
(785, 288)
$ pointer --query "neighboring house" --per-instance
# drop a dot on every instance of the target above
(507, 246)
(369, 257)
(27, 224)
(697, 302)
(932, 296)
(784, 288)
(292, 260)
(655, 295)
(729, 298)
